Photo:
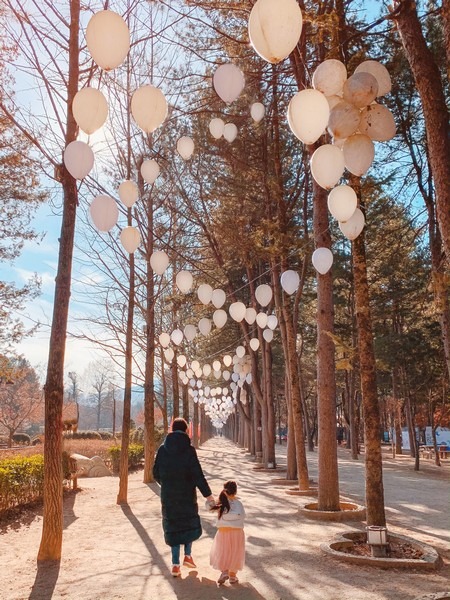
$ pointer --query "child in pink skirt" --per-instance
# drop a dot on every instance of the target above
(228, 548)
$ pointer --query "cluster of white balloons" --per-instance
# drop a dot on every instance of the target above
(347, 108)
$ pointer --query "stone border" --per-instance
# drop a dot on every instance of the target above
(436, 596)
(349, 512)
(313, 491)
(430, 560)
(283, 481)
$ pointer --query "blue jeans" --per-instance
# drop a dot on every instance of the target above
(176, 552)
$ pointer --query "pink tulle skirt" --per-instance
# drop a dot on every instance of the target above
(228, 550)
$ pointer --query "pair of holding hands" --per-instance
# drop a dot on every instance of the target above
(210, 501)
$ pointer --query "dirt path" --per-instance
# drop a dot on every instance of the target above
(112, 552)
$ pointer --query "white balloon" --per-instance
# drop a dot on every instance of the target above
(263, 294)
(216, 365)
(237, 311)
(169, 354)
(128, 193)
(353, 227)
(322, 259)
(380, 73)
(181, 360)
(230, 132)
(204, 293)
(250, 315)
(227, 360)
(195, 365)
(159, 261)
(226, 375)
(185, 147)
(164, 339)
(207, 370)
(228, 81)
(240, 351)
(359, 152)
(308, 114)
(216, 127)
(257, 111)
(184, 281)
(177, 336)
(130, 239)
(329, 77)
(342, 202)
(248, 378)
(327, 165)
(189, 373)
(149, 108)
(150, 171)
(290, 280)
(204, 326)
(274, 28)
(344, 120)
(90, 109)
(78, 159)
(235, 377)
(272, 322)
(360, 89)
(268, 335)
(261, 320)
(198, 373)
(254, 344)
(333, 100)
(107, 39)
(104, 212)
(220, 317)
(218, 298)
(217, 374)
(199, 382)
(378, 123)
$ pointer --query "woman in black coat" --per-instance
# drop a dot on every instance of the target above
(178, 471)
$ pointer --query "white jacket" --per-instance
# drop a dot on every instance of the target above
(234, 518)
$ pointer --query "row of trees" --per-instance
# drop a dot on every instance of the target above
(371, 334)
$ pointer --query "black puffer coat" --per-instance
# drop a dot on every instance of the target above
(178, 471)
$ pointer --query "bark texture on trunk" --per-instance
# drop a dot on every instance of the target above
(328, 484)
(429, 85)
(52, 529)
(122, 496)
(373, 461)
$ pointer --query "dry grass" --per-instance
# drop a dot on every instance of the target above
(87, 448)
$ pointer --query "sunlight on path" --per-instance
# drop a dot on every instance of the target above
(118, 553)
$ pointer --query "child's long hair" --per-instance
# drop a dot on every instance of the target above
(230, 488)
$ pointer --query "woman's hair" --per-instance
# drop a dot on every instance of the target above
(223, 505)
(179, 424)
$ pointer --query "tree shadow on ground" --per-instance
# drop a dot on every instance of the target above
(189, 587)
(47, 574)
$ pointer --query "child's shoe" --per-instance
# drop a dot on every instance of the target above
(176, 570)
(223, 577)
(234, 580)
(189, 562)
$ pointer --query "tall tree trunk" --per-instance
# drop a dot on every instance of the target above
(429, 85)
(122, 496)
(52, 528)
(373, 459)
(269, 446)
(195, 422)
(328, 484)
(175, 388)
(397, 411)
(149, 373)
